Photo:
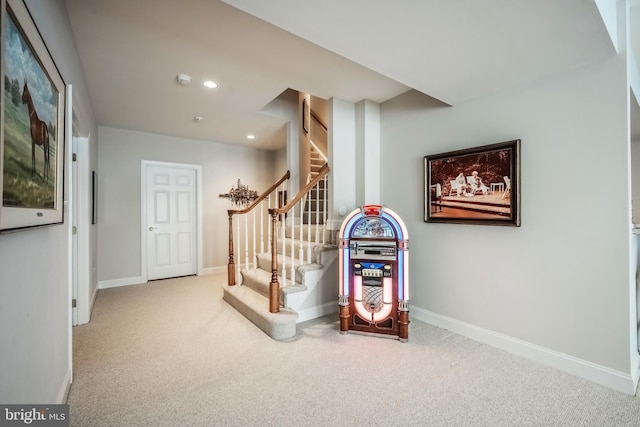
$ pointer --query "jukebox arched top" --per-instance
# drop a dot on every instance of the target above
(373, 221)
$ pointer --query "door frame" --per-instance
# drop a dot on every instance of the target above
(143, 213)
(82, 222)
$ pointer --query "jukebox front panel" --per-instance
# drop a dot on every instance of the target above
(373, 296)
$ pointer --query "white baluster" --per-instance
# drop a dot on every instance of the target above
(301, 227)
(284, 250)
(239, 250)
(253, 240)
(293, 240)
(325, 208)
(268, 227)
(262, 226)
(246, 242)
(317, 188)
(309, 225)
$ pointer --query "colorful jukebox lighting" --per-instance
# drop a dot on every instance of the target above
(374, 273)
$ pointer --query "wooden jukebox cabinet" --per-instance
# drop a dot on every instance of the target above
(374, 273)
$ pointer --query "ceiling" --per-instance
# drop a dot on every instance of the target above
(454, 51)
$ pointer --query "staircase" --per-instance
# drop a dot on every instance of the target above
(316, 203)
(303, 257)
(316, 160)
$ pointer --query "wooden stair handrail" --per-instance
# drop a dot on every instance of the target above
(286, 208)
(260, 198)
(274, 285)
(231, 268)
(317, 119)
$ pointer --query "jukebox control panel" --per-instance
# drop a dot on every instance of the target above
(374, 273)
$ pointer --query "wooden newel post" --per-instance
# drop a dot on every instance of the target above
(403, 321)
(274, 285)
(344, 314)
(231, 268)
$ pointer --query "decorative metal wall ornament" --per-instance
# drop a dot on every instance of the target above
(240, 195)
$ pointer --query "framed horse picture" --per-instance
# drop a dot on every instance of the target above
(32, 140)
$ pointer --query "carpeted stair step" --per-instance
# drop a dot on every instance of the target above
(306, 230)
(255, 307)
(259, 280)
(264, 263)
(297, 244)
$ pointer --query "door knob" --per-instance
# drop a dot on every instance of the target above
(152, 228)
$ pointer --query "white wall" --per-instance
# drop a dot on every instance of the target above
(120, 155)
(556, 288)
(35, 297)
(280, 167)
(635, 175)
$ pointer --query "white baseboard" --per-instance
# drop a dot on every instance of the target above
(212, 270)
(92, 303)
(125, 281)
(64, 388)
(635, 374)
(317, 311)
(138, 280)
(593, 372)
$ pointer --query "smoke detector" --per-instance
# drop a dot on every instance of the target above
(184, 79)
(198, 118)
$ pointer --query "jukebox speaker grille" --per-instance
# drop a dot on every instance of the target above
(372, 298)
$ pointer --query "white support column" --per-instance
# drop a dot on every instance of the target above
(367, 152)
(342, 158)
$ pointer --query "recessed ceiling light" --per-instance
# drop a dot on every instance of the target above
(251, 136)
(210, 84)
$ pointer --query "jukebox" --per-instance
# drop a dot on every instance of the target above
(374, 273)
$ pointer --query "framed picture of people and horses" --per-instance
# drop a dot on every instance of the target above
(33, 127)
(479, 185)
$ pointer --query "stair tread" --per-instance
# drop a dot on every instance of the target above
(255, 307)
(288, 260)
(263, 277)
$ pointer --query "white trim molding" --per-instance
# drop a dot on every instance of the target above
(65, 387)
(212, 270)
(125, 281)
(317, 311)
(591, 371)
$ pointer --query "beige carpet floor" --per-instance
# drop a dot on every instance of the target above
(173, 353)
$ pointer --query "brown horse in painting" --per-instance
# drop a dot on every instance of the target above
(39, 133)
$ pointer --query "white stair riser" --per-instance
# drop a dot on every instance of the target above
(264, 263)
(312, 230)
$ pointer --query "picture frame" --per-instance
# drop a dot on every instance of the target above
(32, 136)
(305, 114)
(94, 197)
(479, 185)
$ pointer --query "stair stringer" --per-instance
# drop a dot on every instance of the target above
(319, 294)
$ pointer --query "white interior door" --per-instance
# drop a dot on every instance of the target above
(171, 226)
(80, 217)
